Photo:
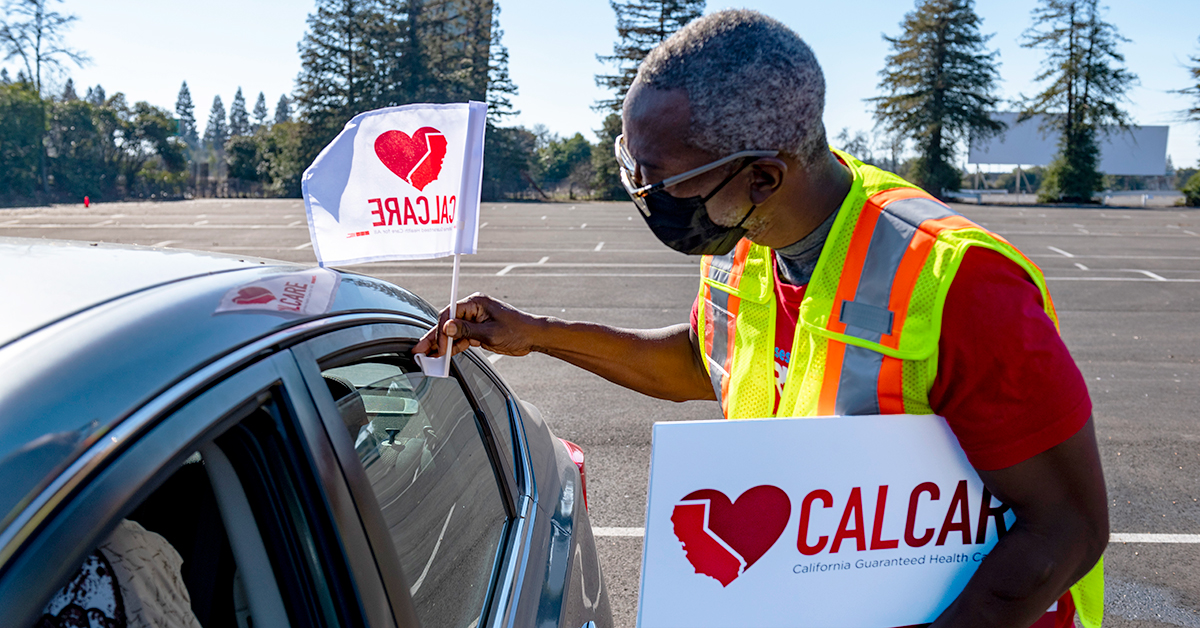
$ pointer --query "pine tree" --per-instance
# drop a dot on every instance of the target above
(641, 25)
(4, 78)
(500, 88)
(453, 38)
(337, 66)
(260, 112)
(1087, 83)
(186, 111)
(69, 91)
(95, 96)
(239, 119)
(1192, 113)
(283, 110)
(940, 87)
(217, 131)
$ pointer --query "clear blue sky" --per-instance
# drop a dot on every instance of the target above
(146, 48)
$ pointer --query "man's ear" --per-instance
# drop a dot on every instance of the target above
(766, 177)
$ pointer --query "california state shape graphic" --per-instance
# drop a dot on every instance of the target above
(722, 539)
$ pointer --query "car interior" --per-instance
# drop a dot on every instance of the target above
(422, 444)
(202, 513)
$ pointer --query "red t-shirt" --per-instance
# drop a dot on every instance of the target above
(1006, 383)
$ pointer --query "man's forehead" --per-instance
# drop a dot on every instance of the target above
(656, 125)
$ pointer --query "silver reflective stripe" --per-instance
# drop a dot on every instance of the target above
(868, 316)
(720, 268)
(719, 321)
(917, 210)
(858, 387)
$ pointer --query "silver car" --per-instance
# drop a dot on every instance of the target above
(297, 461)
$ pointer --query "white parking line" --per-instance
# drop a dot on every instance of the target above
(1146, 273)
(583, 226)
(138, 227)
(1170, 257)
(566, 275)
(1116, 537)
(504, 271)
(1130, 537)
(1161, 279)
(1060, 251)
(1080, 266)
(302, 246)
(599, 246)
(417, 585)
(638, 532)
(164, 243)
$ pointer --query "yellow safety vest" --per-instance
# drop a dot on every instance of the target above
(866, 339)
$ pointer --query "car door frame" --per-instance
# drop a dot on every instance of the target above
(116, 473)
(516, 484)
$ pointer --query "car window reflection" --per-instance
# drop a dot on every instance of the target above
(421, 447)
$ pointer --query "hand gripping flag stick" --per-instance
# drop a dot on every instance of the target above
(400, 183)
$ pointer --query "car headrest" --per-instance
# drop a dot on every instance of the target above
(349, 402)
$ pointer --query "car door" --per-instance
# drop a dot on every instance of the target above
(232, 461)
(434, 468)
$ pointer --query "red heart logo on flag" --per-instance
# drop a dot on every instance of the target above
(416, 159)
(253, 295)
(722, 539)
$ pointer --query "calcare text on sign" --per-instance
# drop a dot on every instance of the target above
(791, 522)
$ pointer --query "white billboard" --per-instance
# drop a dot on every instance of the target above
(1141, 150)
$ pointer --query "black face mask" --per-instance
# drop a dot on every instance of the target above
(683, 223)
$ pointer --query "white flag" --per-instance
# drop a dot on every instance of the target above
(398, 183)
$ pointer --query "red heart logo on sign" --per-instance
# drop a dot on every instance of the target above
(416, 159)
(253, 295)
(722, 539)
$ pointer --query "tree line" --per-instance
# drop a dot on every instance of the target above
(938, 89)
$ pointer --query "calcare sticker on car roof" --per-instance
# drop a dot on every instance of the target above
(306, 293)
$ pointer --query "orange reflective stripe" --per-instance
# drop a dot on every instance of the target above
(852, 268)
(906, 279)
(709, 319)
(891, 386)
(834, 354)
(949, 223)
(856, 255)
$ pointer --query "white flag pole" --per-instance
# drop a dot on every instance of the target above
(453, 299)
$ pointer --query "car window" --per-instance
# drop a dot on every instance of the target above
(493, 401)
(421, 446)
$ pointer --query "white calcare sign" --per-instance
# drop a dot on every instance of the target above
(397, 184)
(875, 522)
(304, 293)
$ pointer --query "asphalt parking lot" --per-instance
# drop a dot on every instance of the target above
(1126, 282)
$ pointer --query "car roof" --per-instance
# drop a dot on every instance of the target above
(108, 328)
(52, 279)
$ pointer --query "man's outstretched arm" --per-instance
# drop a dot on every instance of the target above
(1060, 532)
(663, 363)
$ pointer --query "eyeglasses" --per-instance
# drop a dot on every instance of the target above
(639, 194)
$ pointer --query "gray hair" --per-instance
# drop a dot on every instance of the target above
(752, 83)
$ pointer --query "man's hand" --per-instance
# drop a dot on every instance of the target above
(664, 363)
(1060, 532)
(481, 321)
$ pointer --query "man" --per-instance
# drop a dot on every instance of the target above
(833, 288)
